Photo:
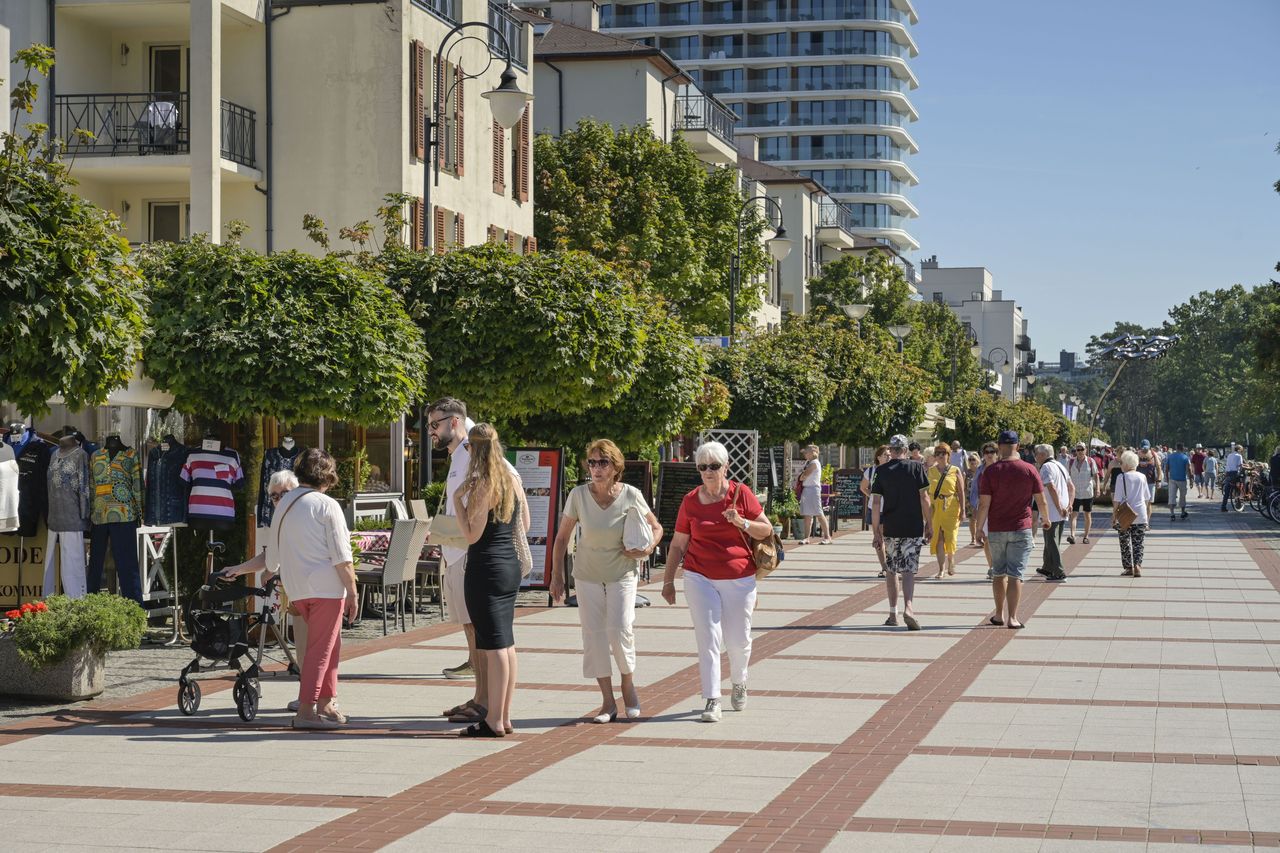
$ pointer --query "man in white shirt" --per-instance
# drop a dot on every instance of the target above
(1231, 467)
(958, 456)
(1058, 495)
(1084, 475)
(448, 425)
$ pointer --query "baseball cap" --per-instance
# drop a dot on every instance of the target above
(1008, 436)
(898, 442)
(1199, 446)
(1146, 445)
(1080, 445)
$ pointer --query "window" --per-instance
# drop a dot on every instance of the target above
(450, 98)
(169, 66)
(168, 221)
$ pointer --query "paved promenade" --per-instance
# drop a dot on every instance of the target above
(1129, 715)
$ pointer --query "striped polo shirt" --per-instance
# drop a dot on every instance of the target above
(212, 475)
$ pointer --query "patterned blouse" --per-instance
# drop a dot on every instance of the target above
(117, 487)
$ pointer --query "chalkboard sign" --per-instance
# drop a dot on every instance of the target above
(639, 473)
(849, 499)
(769, 467)
(675, 480)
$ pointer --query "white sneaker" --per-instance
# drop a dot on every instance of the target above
(739, 697)
(711, 713)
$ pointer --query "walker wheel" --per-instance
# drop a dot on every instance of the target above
(247, 703)
(188, 697)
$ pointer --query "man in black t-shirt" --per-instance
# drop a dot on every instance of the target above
(899, 520)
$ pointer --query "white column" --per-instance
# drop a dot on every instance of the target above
(205, 120)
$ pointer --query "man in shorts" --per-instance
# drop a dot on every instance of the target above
(1197, 469)
(448, 425)
(1177, 466)
(1004, 506)
(1083, 471)
(899, 521)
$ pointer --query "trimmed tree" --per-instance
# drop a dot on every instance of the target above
(871, 279)
(72, 304)
(516, 336)
(654, 209)
(776, 385)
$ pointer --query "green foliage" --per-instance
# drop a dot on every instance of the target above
(238, 334)
(871, 279)
(875, 393)
(432, 493)
(100, 620)
(73, 308)
(785, 504)
(353, 473)
(710, 408)
(659, 402)
(937, 337)
(516, 335)
(979, 418)
(651, 207)
(776, 385)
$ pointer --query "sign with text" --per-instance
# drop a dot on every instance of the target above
(22, 568)
(849, 500)
(675, 480)
(540, 470)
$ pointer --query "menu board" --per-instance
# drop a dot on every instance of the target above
(769, 467)
(540, 469)
(849, 500)
(639, 473)
(675, 480)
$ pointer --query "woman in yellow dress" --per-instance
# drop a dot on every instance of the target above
(946, 491)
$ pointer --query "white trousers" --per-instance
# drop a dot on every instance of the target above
(69, 544)
(608, 614)
(721, 612)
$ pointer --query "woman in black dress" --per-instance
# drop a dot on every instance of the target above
(486, 505)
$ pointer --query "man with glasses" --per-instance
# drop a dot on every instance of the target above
(1083, 471)
(448, 425)
(988, 458)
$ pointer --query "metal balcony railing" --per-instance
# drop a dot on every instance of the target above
(502, 20)
(698, 112)
(1024, 342)
(138, 124)
(239, 134)
(446, 9)
(833, 214)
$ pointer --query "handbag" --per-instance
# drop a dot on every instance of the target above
(637, 535)
(765, 553)
(1124, 515)
(445, 530)
(523, 554)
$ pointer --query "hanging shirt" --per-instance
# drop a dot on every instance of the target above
(69, 500)
(117, 486)
(166, 494)
(213, 474)
(275, 459)
(32, 455)
(8, 489)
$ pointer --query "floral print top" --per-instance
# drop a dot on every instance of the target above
(117, 487)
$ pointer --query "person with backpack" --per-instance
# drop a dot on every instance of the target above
(1083, 471)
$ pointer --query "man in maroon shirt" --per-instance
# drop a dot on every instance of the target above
(1004, 520)
(1197, 469)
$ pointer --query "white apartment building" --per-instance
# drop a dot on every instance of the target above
(205, 111)
(998, 323)
(824, 83)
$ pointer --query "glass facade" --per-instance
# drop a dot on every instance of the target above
(748, 12)
(856, 180)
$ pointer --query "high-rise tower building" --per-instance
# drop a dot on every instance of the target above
(824, 84)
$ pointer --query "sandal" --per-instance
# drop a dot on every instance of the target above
(996, 620)
(480, 729)
(470, 713)
(1017, 627)
(1085, 541)
(891, 622)
(912, 624)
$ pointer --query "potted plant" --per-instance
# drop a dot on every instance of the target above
(786, 507)
(57, 648)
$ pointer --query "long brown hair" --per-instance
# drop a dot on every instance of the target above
(488, 471)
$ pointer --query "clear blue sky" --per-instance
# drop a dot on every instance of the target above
(1105, 159)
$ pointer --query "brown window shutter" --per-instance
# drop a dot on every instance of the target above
(438, 236)
(417, 98)
(522, 190)
(530, 245)
(512, 240)
(499, 159)
(492, 234)
(461, 235)
(440, 108)
(457, 124)
(417, 225)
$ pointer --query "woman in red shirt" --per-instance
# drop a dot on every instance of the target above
(712, 527)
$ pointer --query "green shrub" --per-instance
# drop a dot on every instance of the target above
(785, 504)
(101, 621)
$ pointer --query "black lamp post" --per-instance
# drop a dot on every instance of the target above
(507, 102)
(779, 246)
(1124, 349)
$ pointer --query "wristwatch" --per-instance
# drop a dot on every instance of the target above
(746, 525)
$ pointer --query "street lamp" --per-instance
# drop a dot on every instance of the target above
(507, 102)
(900, 333)
(855, 312)
(779, 246)
(1127, 348)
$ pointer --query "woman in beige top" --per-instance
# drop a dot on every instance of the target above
(605, 573)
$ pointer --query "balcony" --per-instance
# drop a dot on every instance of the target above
(1024, 342)
(835, 225)
(147, 124)
(798, 11)
(707, 125)
(446, 9)
(502, 20)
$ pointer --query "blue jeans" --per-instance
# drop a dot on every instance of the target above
(1010, 551)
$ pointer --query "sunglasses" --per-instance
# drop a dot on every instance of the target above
(710, 466)
(988, 453)
(598, 463)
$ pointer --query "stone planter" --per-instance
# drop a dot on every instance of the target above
(80, 676)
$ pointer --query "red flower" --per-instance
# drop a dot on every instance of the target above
(28, 607)
(13, 614)
(41, 607)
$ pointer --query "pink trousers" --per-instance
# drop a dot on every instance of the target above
(324, 644)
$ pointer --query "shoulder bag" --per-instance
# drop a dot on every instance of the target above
(637, 535)
(445, 530)
(765, 553)
(1124, 515)
(523, 554)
